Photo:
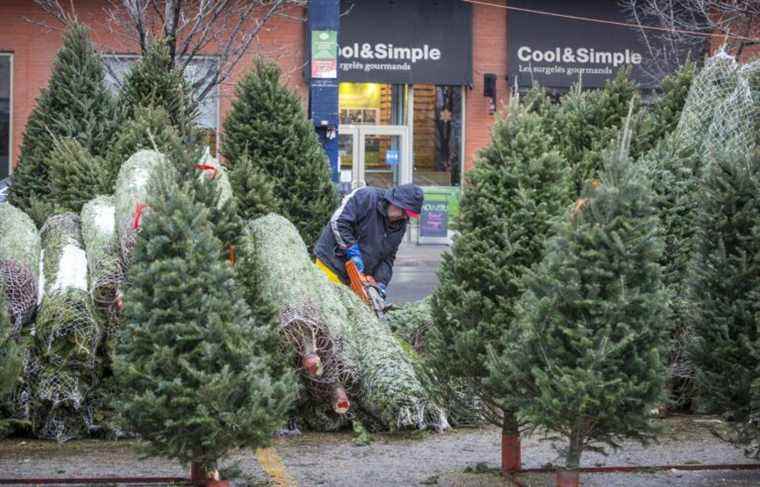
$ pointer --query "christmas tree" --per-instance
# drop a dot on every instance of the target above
(76, 176)
(662, 118)
(676, 172)
(151, 128)
(77, 104)
(588, 122)
(253, 190)
(155, 82)
(516, 191)
(195, 374)
(583, 360)
(268, 124)
(725, 287)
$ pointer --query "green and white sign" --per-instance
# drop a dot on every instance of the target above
(324, 54)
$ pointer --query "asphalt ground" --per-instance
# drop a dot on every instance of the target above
(465, 457)
(415, 272)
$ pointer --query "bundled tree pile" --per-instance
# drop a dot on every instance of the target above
(358, 352)
(583, 359)
(60, 369)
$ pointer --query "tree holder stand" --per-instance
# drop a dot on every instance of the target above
(568, 478)
(201, 477)
(510, 454)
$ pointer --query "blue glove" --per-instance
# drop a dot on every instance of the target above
(355, 255)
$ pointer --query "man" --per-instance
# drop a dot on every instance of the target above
(367, 229)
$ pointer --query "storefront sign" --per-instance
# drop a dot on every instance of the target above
(413, 41)
(555, 52)
(324, 54)
(434, 219)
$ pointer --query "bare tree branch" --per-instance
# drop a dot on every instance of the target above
(735, 19)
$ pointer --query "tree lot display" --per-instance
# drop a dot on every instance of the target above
(583, 359)
(517, 190)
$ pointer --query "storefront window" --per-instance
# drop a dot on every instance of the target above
(5, 115)
(118, 67)
(372, 104)
(437, 135)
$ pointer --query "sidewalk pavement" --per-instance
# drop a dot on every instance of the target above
(415, 272)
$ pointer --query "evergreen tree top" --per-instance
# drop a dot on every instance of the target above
(155, 82)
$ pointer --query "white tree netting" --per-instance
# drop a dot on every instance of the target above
(386, 387)
(736, 121)
(103, 262)
(19, 264)
(132, 194)
(60, 367)
(712, 85)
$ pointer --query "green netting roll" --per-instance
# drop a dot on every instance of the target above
(388, 388)
(19, 263)
(103, 262)
(132, 195)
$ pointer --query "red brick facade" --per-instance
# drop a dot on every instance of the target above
(34, 47)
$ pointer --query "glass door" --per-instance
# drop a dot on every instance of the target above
(372, 155)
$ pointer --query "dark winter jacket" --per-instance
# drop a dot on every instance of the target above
(363, 218)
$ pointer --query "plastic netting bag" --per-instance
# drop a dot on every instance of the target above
(103, 262)
(132, 195)
(215, 173)
(736, 121)
(19, 264)
(712, 85)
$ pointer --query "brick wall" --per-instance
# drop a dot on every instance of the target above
(34, 48)
(489, 27)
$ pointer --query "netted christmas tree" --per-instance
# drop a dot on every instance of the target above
(725, 287)
(583, 361)
(516, 191)
(195, 375)
(11, 365)
(268, 124)
(588, 122)
(77, 104)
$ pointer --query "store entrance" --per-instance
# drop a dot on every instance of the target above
(373, 135)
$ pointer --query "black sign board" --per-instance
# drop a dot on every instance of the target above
(406, 41)
(434, 219)
(555, 51)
